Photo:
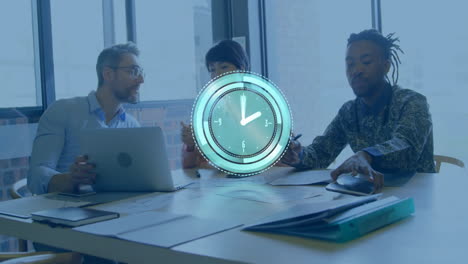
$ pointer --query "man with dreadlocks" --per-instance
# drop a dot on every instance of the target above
(388, 128)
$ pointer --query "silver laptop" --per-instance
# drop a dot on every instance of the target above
(130, 159)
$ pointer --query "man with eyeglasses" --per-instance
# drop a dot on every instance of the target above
(55, 164)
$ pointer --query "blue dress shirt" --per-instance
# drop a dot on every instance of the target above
(56, 144)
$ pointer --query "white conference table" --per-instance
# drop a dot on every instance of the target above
(436, 233)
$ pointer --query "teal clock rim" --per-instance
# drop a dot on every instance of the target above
(210, 126)
(218, 152)
(282, 144)
(242, 169)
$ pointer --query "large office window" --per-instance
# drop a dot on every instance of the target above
(17, 55)
(173, 37)
(77, 32)
(120, 25)
(306, 43)
(435, 63)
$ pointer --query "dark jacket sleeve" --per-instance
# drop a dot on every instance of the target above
(324, 149)
(409, 137)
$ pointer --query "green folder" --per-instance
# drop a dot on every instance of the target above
(336, 225)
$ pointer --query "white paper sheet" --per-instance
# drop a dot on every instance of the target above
(158, 228)
(270, 194)
(151, 202)
(178, 231)
(131, 223)
(225, 182)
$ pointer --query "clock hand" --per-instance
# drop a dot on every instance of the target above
(251, 118)
(243, 101)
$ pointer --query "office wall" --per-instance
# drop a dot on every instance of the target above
(12, 169)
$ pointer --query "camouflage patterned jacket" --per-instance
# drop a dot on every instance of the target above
(397, 133)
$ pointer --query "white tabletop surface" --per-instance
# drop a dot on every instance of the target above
(436, 233)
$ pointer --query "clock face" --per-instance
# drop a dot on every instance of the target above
(249, 114)
(241, 123)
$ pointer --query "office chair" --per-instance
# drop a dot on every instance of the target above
(439, 159)
(24, 256)
(15, 193)
(40, 258)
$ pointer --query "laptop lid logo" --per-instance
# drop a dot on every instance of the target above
(124, 159)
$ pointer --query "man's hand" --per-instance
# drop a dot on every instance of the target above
(360, 163)
(80, 173)
(186, 136)
(291, 157)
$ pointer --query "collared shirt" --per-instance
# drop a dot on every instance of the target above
(397, 133)
(56, 144)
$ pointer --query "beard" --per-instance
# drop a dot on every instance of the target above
(128, 95)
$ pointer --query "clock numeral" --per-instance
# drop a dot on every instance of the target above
(220, 121)
(243, 146)
(267, 123)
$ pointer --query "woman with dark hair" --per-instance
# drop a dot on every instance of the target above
(224, 57)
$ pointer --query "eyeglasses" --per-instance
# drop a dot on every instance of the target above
(135, 71)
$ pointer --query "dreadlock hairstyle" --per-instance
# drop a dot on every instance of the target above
(388, 44)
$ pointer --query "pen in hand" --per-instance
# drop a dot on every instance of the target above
(294, 147)
(297, 137)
